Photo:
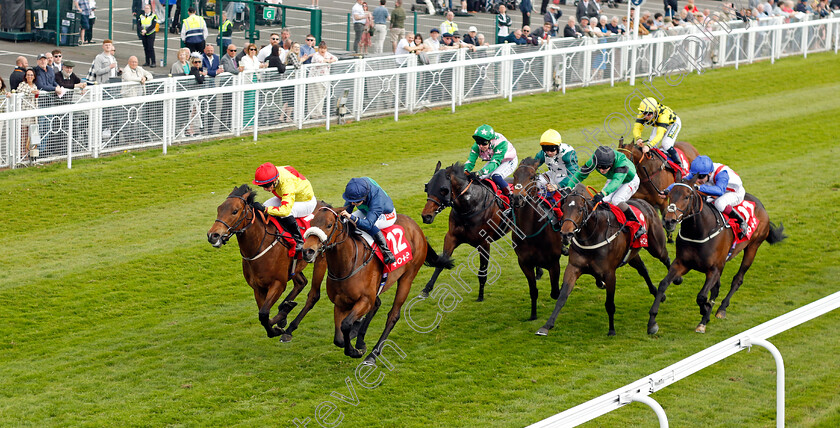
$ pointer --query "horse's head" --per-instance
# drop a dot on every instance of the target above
(234, 215)
(683, 199)
(524, 182)
(325, 230)
(577, 207)
(438, 194)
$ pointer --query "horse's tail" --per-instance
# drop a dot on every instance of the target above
(776, 233)
(437, 261)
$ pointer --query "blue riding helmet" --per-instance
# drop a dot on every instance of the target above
(356, 191)
(701, 165)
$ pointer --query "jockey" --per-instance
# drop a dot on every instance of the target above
(666, 125)
(293, 197)
(719, 181)
(499, 153)
(622, 181)
(376, 211)
(561, 160)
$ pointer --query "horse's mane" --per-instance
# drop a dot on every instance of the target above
(529, 161)
(690, 181)
(243, 190)
(457, 169)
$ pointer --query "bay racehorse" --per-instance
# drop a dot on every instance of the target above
(476, 217)
(266, 266)
(655, 173)
(600, 244)
(705, 244)
(538, 243)
(354, 282)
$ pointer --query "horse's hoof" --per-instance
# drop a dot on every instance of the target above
(700, 328)
(678, 280)
(281, 323)
(721, 314)
(542, 331)
(653, 329)
(601, 285)
(663, 299)
(275, 332)
(353, 352)
(424, 294)
(285, 338)
(370, 360)
(555, 294)
(539, 274)
(564, 251)
(611, 333)
(670, 240)
(480, 299)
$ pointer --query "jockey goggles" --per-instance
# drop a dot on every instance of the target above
(551, 148)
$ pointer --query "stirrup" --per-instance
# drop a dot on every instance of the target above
(642, 230)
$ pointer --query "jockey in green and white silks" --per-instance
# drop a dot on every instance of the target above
(561, 160)
(499, 153)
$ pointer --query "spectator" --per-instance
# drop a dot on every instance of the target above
(226, 31)
(470, 37)
(458, 43)
(195, 125)
(308, 50)
(583, 28)
(21, 64)
(57, 60)
(446, 42)
(586, 8)
(645, 22)
(88, 36)
(147, 26)
(67, 79)
(613, 27)
(397, 24)
(544, 6)
(228, 61)
(211, 62)
(407, 46)
(134, 73)
(359, 17)
(516, 37)
(571, 29)
(432, 43)
(83, 6)
(323, 59)
(759, 11)
(380, 26)
(29, 101)
(293, 58)
(526, 33)
(194, 31)
(285, 37)
(526, 7)
(481, 41)
(274, 40)
(803, 7)
(3, 94)
(181, 67)
(823, 10)
(658, 21)
(449, 25)
(545, 32)
(671, 8)
(45, 76)
(691, 8)
(367, 34)
(49, 60)
(277, 59)
(553, 16)
(504, 22)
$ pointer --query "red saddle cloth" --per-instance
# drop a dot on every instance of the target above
(746, 209)
(498, 191)
(681, 169)
(303, 224)
(632, 225)
(554, 203)
(399, 246)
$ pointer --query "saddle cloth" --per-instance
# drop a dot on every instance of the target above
(303, 224)
(632, 225)
(492, 185)
(397, 243)
(746, 209)
(682, 168)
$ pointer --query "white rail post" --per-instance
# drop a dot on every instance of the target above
(563, 77)
(327, 103)
(70, 140)
(411, 86)
(548, 60)
(396, 98)
(459, 74)
(747, 342)
(358, 90)
(633, 65)
(805, 41)
(300, 96)
(612, 66)
(737, 49)
(96, 121)
(653, 404)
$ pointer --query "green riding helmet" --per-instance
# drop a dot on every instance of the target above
(484, 133)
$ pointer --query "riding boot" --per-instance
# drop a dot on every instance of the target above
(290, 225)
(674, 156)
(387, 255)
(631, 216)
(505, 189)
(741, 221)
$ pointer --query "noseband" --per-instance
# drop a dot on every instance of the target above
(695, 200)
(230, 228)
(324, 238)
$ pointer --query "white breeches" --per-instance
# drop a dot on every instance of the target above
(730, 199)
(505, 169)
(384, 220)
(299, 208)
(623, 193)
(671, 135)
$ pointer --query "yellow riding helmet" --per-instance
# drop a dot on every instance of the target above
(551, 138)
(649, 105)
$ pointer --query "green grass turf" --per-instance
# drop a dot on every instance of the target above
(114, 309)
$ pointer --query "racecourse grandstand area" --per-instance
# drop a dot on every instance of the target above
(117, 310)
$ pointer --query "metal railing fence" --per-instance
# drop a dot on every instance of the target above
(108, 118)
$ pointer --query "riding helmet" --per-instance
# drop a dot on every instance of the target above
(551, 138)
(648, 105)
(484, 133)
(356, 191)
(266, 173)
(702, 165)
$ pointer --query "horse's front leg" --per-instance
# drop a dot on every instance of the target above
(530, 276)
(271, 297)
(483, 261)
(677, 270)
(318, 271)
(450, 243)
(299, 282)
(609, 304)
(712, 278)
(360, 308)
(569, 279)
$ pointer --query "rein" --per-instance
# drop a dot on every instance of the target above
(583, 222)
(536, 200)
(328, 247)
(482, 207)
(695, 196)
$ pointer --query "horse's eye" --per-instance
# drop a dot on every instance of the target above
(329, 226)
(235, 211)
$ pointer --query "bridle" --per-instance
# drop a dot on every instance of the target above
(581, 208)
(695, 199)
(327, 246)
(231, 229)
(480, 208)
(441, 205)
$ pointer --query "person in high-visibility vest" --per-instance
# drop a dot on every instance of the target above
(225, 31)
(194, 32)
(147, 25)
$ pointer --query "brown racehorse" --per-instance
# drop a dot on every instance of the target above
(353, 282)
(655, 173)
(265, 264)
(705, 245)
(476, 217)
(537, 242)
(600, 245)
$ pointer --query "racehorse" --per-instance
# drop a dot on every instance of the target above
(705, 245)
(266, 266)
(655, 173)
(476, 217)
(355, 277)
(537, 242)
(600, 245)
